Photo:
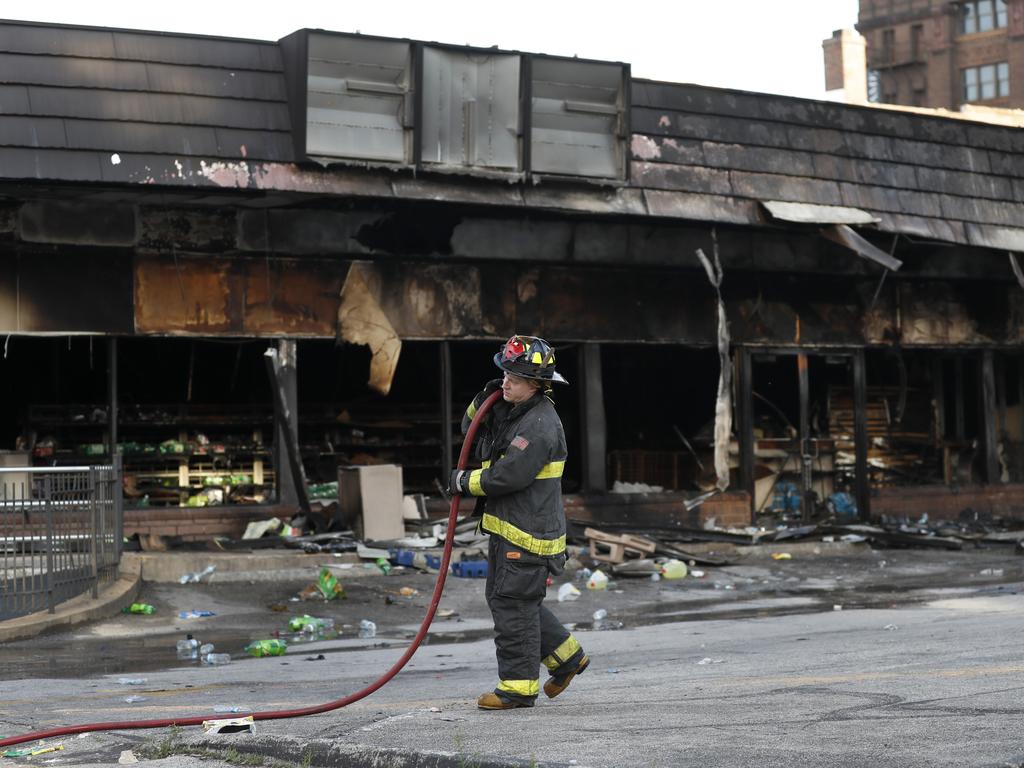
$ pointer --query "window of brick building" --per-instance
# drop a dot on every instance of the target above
(989, 81)
(982, 15)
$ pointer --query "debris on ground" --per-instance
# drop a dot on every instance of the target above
(245, 724)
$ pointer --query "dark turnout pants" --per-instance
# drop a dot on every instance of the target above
(526, 633)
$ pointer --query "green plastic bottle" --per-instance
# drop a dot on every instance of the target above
(269, 647)
(145, 608)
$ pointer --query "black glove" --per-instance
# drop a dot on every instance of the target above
(492, 385)
(457, 483)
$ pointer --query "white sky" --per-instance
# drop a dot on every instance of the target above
(757, 45)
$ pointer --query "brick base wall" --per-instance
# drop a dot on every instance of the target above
(193, 524)
(943, 503)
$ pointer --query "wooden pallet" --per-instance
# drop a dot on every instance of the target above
(613, 548)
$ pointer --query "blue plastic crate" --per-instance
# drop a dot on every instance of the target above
(472, 569)
(407, 557)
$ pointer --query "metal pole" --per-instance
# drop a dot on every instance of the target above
(48, 576)
(94, 532)
(594, 422)
(806, 505)
(112, 393)
(745, 362)
(990, 418)
(860, 435)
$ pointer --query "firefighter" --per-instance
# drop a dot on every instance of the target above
(521, 446)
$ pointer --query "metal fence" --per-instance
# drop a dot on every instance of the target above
(60, 534)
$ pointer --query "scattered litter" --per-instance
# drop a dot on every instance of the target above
(828, 539)
(599, 614)
(326, 587)
(837, 607)
(697, 574)
(142, 608)
(230, 725)
(620, 487)
(195, 614)
(567, 592)
(890, 627)
(708, 660)
(226, 709)
(31, 751)
(133, 699)
(269, 647)
(408, 592)
(597, 580)
(854, 538)
(445, 613)
(992, 572)
(318, 657)
(216, 659)
(367, 628)
(127, 756)
(192, 578)
(312, 627)
(612, 671)
(188, 648)
(131, 681)
(673, 569)
(435, 709)
(781, 556)
(655, 577)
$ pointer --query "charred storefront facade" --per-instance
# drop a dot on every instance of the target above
(383, 213)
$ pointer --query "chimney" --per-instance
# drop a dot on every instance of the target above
(846, 65)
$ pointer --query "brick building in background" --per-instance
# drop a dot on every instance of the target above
(934, 53)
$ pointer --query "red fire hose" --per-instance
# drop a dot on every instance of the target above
(281, 714)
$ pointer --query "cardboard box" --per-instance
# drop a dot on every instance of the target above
(371, 497)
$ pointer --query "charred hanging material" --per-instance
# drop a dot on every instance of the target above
(723, 403)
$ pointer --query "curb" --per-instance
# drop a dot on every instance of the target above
(77, 610)
(328, 754)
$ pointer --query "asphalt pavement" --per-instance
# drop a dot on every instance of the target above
(838, 655)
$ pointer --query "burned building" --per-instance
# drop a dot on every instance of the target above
(384, 212)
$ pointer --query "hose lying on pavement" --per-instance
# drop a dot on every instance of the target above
(281, 714)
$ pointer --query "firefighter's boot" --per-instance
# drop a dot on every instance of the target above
(558, 683)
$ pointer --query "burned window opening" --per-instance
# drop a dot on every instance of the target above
(654, 396)
(797, 479)
(412, 232)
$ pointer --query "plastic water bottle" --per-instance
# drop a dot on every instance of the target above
(205, 650)
(367, 628)
(217, 659)
(600, 613)
(144, 608)
(188, 648)
(271, 647)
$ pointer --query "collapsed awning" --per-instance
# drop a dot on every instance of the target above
(812, 213)
(846, 237)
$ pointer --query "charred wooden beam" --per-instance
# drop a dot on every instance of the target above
(989, 417)
(860, 431)
(281, 367)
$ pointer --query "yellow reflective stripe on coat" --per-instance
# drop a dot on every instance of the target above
(562, 654)
(471, 411)
(553, 469)
(520, 687)
(521, 538)
(474, 483)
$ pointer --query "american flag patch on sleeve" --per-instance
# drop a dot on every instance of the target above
(519, 442)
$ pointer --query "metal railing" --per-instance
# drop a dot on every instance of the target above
(60, 534)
